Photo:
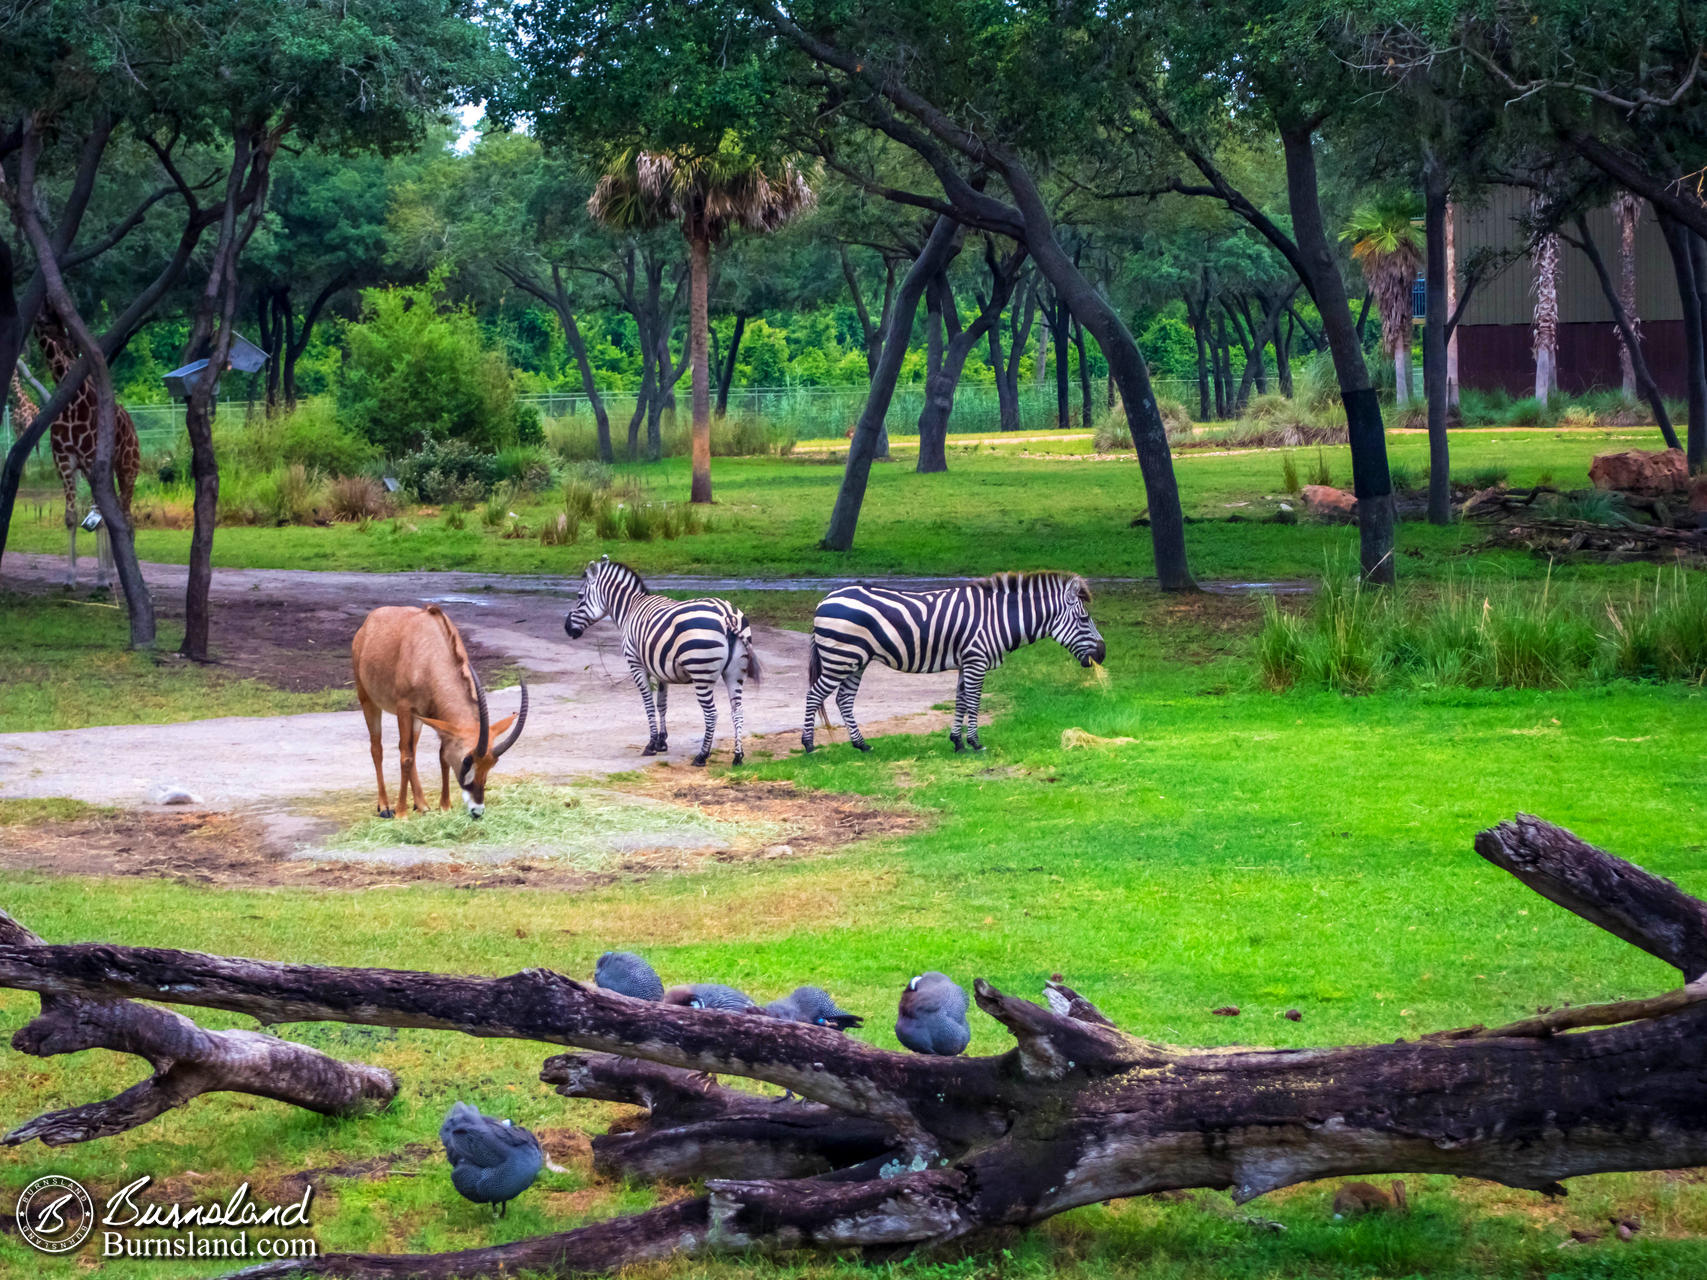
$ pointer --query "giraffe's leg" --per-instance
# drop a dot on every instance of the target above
(973, 677)
(845, 695)
(954, 733)
(732, 682)
(371, 713)
(816, 692)
(68, 477)
(708, 706)
(643, 682)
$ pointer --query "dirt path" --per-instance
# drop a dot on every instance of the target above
(586, 718)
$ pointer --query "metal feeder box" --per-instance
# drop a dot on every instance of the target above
(245, 357)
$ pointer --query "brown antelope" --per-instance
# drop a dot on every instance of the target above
(412, 663)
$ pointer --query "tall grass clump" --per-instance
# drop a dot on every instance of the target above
(1289, 481)
(1659, 635)
(607, 520)
(497, 508)
(357, 498)
(289, 495)
(1319, 471)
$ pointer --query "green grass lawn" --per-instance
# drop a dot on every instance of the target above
(1271, 851)
(1000, 506)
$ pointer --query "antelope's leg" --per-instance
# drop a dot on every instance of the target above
(444, 783)
(375, 723)
(405, 757)
(415, 769)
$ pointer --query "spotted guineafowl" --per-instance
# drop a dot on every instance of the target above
(628, 975)
(814, 1005)
(711, 995)
(933, 1016)
(491, 1161)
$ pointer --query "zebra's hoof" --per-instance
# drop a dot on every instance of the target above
(699, 761)
(739, 757)
(806, 746)
(975, 745)
(651, 749)
(957, 744)
(863, 746)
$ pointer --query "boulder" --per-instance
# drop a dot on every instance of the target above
(1324, 502)
(1698, 495)
(1650, 471)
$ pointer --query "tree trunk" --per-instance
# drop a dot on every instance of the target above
(1283, 355)
(1086, 414)
(940, 387)
(1063, 392)
(1078, 1112)
(1678, 240)
(1371, 481)
(1629, 340)
(1545, 264)
(728, 375)
(933, 328)
(1436, 273)
(844, 518)
(699, 323)
(595, 402)
(1007, 403)
(1451, 305)
(1626, 210)
(1125, 365)
(1197, 318)
(1223, 370)
(1042, 370)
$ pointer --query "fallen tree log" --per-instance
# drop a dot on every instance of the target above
(1076, 1113)
(188, 1061)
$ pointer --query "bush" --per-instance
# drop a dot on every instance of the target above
(357, 498)
(418, 371)
(289, 495)
(448, 471)
(607, 520)
(311, 435)
(1662, 635)
(527, 467)
(640, 522)
(1111, 434)
(1315, 385)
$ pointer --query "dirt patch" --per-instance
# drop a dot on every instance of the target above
(230, 850)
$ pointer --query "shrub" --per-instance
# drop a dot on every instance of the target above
(640, 522)
(561, 530)
(1315, 385)
(418, 370)
(1662, 635)
(289, 495)
(527, 467)
(310, 435)
(1528, 412)
(1578, 415)
(357, 498)
(456, 518)
(1111, 434)
(448, 471)
(497, 508)
(1405, 480)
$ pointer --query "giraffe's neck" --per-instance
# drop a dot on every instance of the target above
(23, 408)
(57, 350)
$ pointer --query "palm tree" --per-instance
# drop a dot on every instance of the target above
(706, 195)
(1388, 245)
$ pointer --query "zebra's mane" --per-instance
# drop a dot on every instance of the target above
(1014, 581)
(644, 589)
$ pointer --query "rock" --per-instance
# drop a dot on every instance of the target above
(1292, 1015)
(1325, 502)
(1641, 471)
(1698, 495)
(171, 793)
(1226, 1011)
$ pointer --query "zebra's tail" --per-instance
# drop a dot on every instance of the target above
(741, 631)
(815, 668)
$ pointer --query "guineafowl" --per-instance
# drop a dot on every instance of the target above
(711, 995)
(933, 1016)
(628, 975)
(491, 1161)
(814, 1005)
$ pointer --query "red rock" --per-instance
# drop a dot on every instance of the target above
(1327, 503)
(1641, 471)
(1698, 495)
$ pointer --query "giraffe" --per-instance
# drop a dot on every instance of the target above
(72, 441)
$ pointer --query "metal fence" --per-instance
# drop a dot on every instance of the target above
(817, 413)
(811, 413)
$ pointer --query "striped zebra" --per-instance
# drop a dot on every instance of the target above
(971, 628)
(666, 642)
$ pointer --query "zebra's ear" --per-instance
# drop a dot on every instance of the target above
(605, 558)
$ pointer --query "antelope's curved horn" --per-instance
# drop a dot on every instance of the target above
(485, 721)
(515, 729)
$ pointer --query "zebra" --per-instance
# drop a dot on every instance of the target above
(697, 642)
(971, 628)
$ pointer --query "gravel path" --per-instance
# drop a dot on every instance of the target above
(585, 720)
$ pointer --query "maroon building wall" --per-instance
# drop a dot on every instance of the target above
(1493, 356)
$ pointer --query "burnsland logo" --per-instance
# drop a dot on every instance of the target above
(57, 1214)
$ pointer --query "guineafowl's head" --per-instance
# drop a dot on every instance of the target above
(1073, 626)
